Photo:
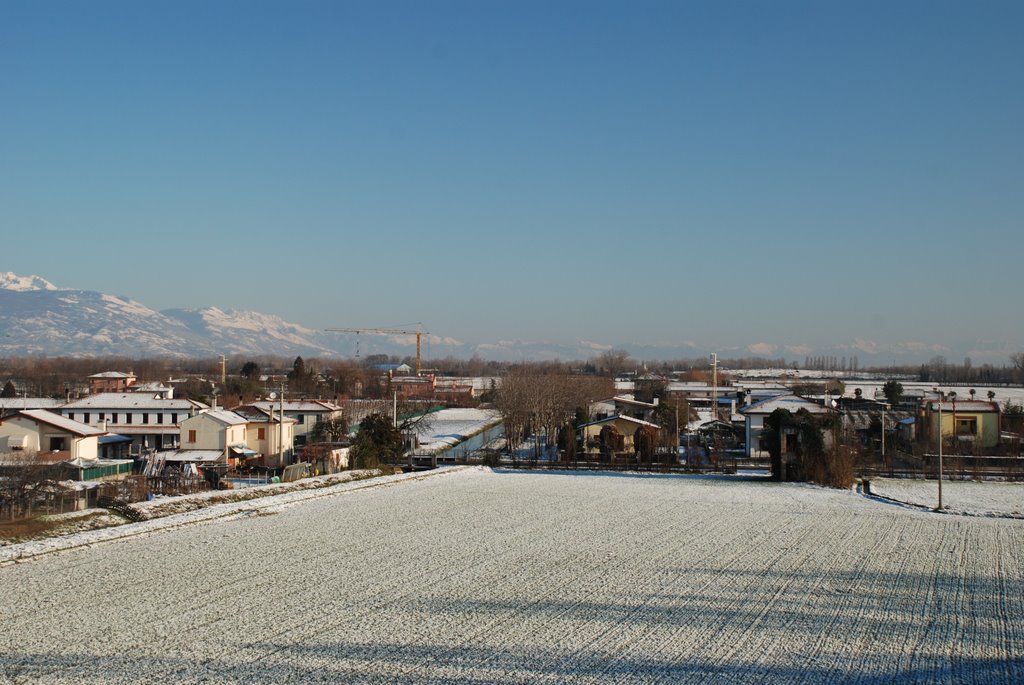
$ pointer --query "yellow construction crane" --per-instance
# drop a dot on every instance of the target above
(389, 331)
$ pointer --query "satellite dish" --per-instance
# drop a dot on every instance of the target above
(273, 395)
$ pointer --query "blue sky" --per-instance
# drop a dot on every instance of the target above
(788, 178)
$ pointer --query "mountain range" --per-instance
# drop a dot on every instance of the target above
(39, 318)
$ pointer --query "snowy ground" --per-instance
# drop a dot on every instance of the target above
(983, 498)
(523, 577)
(449, 427)
(172, 512)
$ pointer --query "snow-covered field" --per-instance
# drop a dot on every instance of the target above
(519, 577)
(978, 498)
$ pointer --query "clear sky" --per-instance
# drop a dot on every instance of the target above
(781, 177)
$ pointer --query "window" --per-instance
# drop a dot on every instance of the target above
(113, 417)
(145, 417)
(160, 417)
(299, 418)
(71, 415)
(128, 417)
(85, 417)
(968, 426)
(103, 417)
(191, 436)
(174, 419)
(261, 433)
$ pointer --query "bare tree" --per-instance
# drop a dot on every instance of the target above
(535, 398)
(613, 362)
(24, 478)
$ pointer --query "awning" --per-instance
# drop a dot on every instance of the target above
(17, 442)
(114, 439)
(243, 450)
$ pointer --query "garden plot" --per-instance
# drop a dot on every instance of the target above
(518, 577)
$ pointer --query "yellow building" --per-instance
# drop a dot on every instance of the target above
(973, 423)
(621, 435)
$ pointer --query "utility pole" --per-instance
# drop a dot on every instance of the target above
(714, 386)
(280, 427)
(883, 432)
(677, 429)
(940, 453)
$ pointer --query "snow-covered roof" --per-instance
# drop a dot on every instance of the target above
(16, 403)
(133, 400)
(60, 422)
(619, 399)
(152, 386)
(972, 406)
(94, 463)
(389, 367)
(258, 414)
(225, 416)
(298, 406)
(619, 417)
(789, 402)
(194, 456)
(113, 374)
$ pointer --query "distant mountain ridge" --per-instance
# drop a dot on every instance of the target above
(38, 318)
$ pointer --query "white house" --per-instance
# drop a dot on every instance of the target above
(755, 414)
(53, 437)
(151, 419)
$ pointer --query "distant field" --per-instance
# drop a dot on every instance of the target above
(497, 577)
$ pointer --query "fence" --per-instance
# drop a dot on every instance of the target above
(46, 503)
(954, 466)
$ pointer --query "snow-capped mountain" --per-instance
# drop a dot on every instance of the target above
(12, 281)
(37, 318)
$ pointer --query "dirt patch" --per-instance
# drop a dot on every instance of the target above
(49, 526)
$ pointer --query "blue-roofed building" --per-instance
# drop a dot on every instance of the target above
(393, 369)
